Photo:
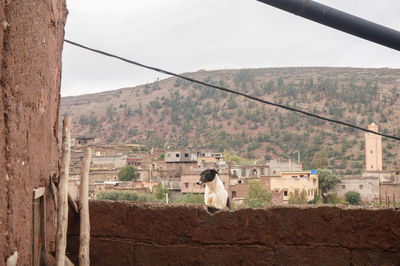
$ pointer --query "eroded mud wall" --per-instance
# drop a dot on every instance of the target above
(31, 40)
(128, 234)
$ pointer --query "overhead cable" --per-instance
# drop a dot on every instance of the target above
(232, 91)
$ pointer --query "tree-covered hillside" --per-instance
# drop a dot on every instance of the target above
(178, 114)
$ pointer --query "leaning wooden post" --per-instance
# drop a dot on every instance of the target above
(62, 212)
(84, 237)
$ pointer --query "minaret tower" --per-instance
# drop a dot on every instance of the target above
(373, 150)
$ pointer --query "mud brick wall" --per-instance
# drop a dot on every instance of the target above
(132, 234)
(31, 40)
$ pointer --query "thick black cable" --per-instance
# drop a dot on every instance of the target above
(232, 91)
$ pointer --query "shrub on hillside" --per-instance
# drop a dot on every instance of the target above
(353, 197)
(191, 198)
(127, 196)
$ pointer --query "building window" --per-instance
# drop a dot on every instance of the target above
(343, 186)
(371, 151)
(372, 166)
(274, 172)
(177, 155)
(243, 172)
(234, 173)
(186, 185)
(361, 186)
(186, 155)
(285, 193)
(233, 194)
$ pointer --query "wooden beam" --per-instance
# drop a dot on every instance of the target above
(38, 192)
(37, 242)
(62, 212)
(84, 237)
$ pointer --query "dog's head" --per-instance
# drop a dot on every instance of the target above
(207, 176)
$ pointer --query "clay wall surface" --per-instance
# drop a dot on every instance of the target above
(133, 234)
(31, 41)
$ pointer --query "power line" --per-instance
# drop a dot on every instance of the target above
(232, 91)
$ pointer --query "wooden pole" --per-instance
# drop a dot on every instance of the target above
(84, 237)
(62, 212)
(386, 198)
(36, 233)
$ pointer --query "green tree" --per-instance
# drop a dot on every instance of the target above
(191, 198)
(320, 160)
(232, 103)
(127, 173)
(327, 179)
(257, 195)
(159, 192)
(110, 112)
(299, 199)
(93, 122)
(353, 197)
(83, 120)
(315, 200)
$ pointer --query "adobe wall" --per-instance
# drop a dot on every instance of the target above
(137, 234)
(31, 39)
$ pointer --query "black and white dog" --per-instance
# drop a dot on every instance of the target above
(215, 196)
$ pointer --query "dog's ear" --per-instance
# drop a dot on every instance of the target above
(214, 171)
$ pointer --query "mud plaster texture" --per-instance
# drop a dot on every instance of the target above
(140, 234)
(31, 41)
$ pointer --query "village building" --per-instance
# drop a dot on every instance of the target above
(97, 175)
(209, 158)
(390, 187)
(373, 150)
(294, 182)
(180, 157)
(374, 184)
(133, 160)
(82, 140)
(241, 172)
(125, 186)
(367, 185)
(271, 168)
(276, 166)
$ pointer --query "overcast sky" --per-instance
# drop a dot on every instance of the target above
(188, 35)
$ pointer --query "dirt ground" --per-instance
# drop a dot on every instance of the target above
(140, 234)
(31, 41)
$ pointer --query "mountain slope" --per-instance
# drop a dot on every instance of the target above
(178, 114)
